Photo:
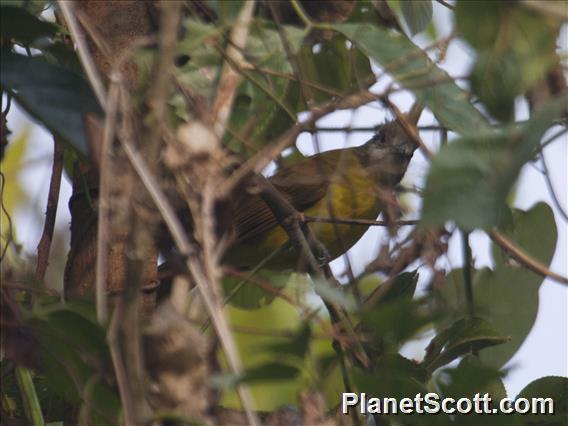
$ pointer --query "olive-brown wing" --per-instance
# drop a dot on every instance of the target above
(304, 184)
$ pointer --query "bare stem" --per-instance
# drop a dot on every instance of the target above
(44, 245)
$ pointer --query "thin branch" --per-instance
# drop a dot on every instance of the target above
(552, 138)
(10, 236)
(305, 91)
(118, 364)
(160, 89)
(306, 243)
(247, 66)
(264, 88)
(262, 158)
(361, 222)
(103, 220)
(301, 13)
(523, 258)
(83, 50)
(44, 245)
(270, 288)
(207, 280)
(229, 80)
(467, 274)
(410, 129)
(550, 186)
(193, 263)
(349, 129)
(446, 4)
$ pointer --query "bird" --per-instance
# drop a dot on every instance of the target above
(341, 183)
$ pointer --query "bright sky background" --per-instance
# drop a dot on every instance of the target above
(545, 351)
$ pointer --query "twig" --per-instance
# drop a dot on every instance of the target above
(523, 258)
(552, 138)
(257, 82)
(551, 187)
(193, 263)
(410, 129)
(349, 129)
(468, 285)
(139, 245)
(229, 80)
(84, 55)
(268, 287)
(446, 4)
(220, 114)
(103, 220)
(306, 243)
(247, 66)
(262, 158)
(44, 245)
(160, 88)
(118, 364)
(9, 237)
(305, 91)
(362, 222)
(301, 13)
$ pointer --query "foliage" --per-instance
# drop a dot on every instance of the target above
(286, 333)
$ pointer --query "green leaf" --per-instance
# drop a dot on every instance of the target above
(393, 375)
(510, 295)
(197, 33)
(35, 7)
(412, 68)
(335, 295)
(479, 22)
(19, 24)
(469, 378)
(402, 287)
(466, 185)
(55, 96)
(332, 64)
(548, 387)
(515, 48)
(255, 331)
(533, 231)
(495, 80)
(74, 351)
(417, 14)
(227, 11)
(470, 178)
(465, 336)
(507, 297)
(472, 376)
(271, 372)
(394, 323)
(296, 347)
(245, 293)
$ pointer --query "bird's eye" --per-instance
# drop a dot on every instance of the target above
(379, 137)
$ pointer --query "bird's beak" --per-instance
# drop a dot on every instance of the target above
(414, 114)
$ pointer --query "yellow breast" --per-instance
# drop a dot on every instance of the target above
(350, 194)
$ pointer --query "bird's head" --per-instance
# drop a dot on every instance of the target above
(387, 154)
